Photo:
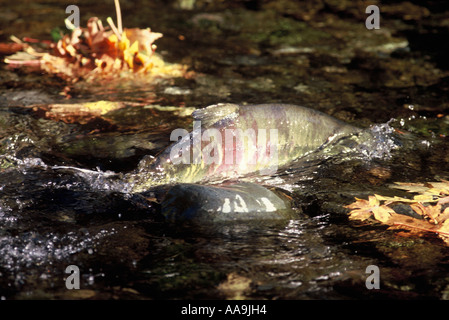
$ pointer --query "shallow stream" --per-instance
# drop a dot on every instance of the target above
(392, 81)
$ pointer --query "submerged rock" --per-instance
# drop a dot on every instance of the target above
(232, 202)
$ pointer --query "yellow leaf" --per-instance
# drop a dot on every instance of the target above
(430, 211)
(443, 200)
(441, 187)
(145, 37)
(123, 44)
(393, 199)
(410, 187)
(141, 61)
(425, 198)
(103, 106)
(113, 38)
(373, 201)
(444, 227)
(359, 203)
(130, 53)
(431, 188)
(360, 214)
(382, 213)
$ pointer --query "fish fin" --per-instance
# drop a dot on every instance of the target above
(216, 112)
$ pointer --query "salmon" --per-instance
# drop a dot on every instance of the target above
(229, 141)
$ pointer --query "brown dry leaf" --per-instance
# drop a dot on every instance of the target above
(419, 226)
(426, 197)
(443, 216)
(432, 212)
(364, 209)
(361, 209)
(382, 213)
(435, 219)
(399, 221)
(410, 187)
(440, 187)
(445, 227)
(144, 37)
(393, 199)
(97, 52)
(78, 112)
(436, 188)
(443, 200)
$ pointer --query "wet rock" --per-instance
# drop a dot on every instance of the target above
(205, 204)
(25, 98)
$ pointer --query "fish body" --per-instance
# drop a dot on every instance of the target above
(229, 141)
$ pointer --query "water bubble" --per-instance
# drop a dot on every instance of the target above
(29, 250)
(426, 143)
(378, 142)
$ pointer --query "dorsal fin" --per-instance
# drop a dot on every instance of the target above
(216, 112)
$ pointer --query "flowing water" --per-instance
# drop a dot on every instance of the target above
(53, 216)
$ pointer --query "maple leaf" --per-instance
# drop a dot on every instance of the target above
(364, 209)
(393, 199)
(444, 216)
(382, 213)
(78, 112)
(434, 219)
(411, 187)
(443, 200)
(145, 39)
(432, 212)
(427, 191)
(98, 52)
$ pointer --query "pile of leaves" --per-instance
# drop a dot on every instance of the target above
(96, 51)
(430, 208)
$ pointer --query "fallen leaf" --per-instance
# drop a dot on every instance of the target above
(382, 213)
(425, 198)
(364, 209)
(393, 199)
(430, 211)
(97, 51)
(78, 112)
(410, 187)
(435, 218)
(443, 200)
(444, 216)
(445, 227)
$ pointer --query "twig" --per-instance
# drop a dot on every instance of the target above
(15, 39)
(114, 29)
(119, 16)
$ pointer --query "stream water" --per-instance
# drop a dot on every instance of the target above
(393, 82)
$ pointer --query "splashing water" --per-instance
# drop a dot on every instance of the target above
(382, 144)
(34, 249)
(376, 142)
